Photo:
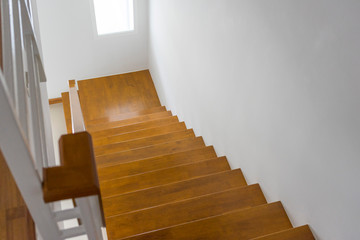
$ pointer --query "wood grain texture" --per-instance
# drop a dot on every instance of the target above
(159, 181)
(184, 211)
(72, 83)
(55, 100)
(77, 176)
(117, 94)
(150, 151)
(173, 127)
(124, 116)
(67, 112)
(173, 192)
(134, 127)
(241, 224)
(144, 142)
(15, 220)
(299, 233)
(163, 176)
(156, 163)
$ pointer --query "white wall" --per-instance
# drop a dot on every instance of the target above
(275, 86)
(72, 50)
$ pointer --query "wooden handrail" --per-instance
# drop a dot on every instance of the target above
(77, 176)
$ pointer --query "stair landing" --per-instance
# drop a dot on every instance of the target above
(105, 97)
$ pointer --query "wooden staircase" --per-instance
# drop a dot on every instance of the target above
(160, 181)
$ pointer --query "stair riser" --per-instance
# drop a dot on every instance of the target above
(149, 132)
(151, 151)
(131, 121)
(242, 224)
(185, 211)
(156, 163)
(161, 177)
(173, 192)
(143, 142)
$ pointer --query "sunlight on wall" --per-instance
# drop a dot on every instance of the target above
(113, 16)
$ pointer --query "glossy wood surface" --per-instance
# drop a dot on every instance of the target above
(163, 176)
(144, 133)
(55, 100)
(159, 181)
(240, 224)
(299, 233)
(77, 176)
(184, 211)
(134, 127)
(15, 220)
(67, 112)
(144, 142)
(126, 116)
(156, 163)
(120, 94)
(149, 151)
(173, 192)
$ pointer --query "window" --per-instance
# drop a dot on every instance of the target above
(113, 16)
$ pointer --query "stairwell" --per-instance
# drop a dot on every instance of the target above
(159, 180)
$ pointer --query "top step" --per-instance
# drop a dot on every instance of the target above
(117, 94)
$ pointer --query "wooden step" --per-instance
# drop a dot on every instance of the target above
(134, 127)
(156, 163)
(299, 233)
(164, 176)
(67, 112)
(164, 216)
(117, 94)
(124, 116)
(172, 127)
(240, 224)
(130, 121)
(143, 142)
(150, 151)
(173, 192)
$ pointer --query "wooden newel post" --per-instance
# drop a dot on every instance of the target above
(77, 175)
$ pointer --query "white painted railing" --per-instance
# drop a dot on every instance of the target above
(23, 135)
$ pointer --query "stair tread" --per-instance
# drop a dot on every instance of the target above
(143, 142)
(173, 192)
(239, 224)
(149, 151)
(125, 116)
(117, 94)
(132, 127)
(148, 132)
(163, 176)
(155, 163)
(184, 211)
(130, 121)
(299, 233)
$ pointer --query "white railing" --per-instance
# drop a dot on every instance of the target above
(23, 135)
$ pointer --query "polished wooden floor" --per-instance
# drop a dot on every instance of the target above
(15, 220)
(160, 181)
(108, 97)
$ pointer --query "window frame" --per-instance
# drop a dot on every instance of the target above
(107, 35)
